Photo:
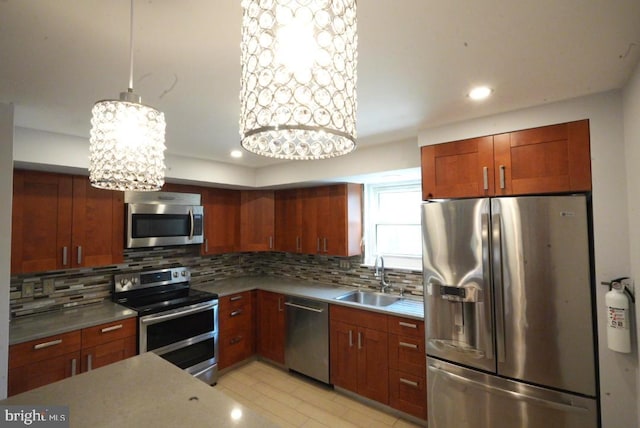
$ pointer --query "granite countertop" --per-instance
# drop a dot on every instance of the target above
(407, 307)
(34, 327)
(140, 391)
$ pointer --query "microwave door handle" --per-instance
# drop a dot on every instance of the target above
(191, 223)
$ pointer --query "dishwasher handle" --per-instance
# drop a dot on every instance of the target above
(306, 308)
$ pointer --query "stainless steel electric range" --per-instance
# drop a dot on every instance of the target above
(176, 322)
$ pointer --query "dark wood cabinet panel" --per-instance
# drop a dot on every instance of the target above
(548, 159)
(271, 325)
(42, 373)
(359, 349)
(59, 221)
(257, 222)
(108, 353)
(237, 328)
(458, 169)
(408, 393)
(221, 221)
(288, 220)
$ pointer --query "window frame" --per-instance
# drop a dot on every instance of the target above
(371, 192)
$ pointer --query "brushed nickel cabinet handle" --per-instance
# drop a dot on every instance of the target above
(47, 344)
(89, 362)
(235, 298)
(408, 345)
(502, 179)
(408, 382)
(485, 178)
(206, 245)
(236, 313)
(325, 245)
(74, 367)
(112, 328)
(271, 242)
(65, 256)
(79, 255)
(359, 340)
(350, 339)
(407, 324)
(298, 246)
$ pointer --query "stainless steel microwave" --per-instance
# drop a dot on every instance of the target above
(163, 219)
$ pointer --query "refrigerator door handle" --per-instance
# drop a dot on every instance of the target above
(496, 243)
(486, 267)
(560, 405)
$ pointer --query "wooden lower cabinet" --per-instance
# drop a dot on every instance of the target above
(407, 366)
(271, 325)
(359, 352)
(237, 328)
(40, 362)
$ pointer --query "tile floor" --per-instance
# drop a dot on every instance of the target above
(292, 401)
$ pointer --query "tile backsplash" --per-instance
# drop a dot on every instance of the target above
(92, 285)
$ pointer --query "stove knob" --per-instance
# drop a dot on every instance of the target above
(134, 280)
(123, 281)
(175, 274)
(184, 273)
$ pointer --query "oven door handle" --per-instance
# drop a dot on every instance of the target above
(191, 224)
(151, 319)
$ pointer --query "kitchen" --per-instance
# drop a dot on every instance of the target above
(613, 150)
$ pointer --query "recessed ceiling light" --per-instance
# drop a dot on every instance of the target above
(236, 153)
(480, 93)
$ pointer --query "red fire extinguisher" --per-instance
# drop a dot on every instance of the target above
(619, 316)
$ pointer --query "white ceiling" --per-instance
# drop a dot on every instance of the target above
(417, 60)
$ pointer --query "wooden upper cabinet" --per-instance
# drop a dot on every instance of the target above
(340, 214)
(60, 222)
(221, 221)
(549, 159)
(288, 221)
(458, 169)
(257, 222)
(97, 233)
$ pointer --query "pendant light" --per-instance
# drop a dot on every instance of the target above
(126, 149)
(298, 84)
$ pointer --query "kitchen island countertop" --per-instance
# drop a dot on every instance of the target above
(140, 391)
(408, 307)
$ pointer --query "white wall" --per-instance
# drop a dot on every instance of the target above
(631, 111)
(618, 372)
(6, 195)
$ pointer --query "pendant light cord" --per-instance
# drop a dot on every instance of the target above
(131, 50)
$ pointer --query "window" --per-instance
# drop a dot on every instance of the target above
(392, 224)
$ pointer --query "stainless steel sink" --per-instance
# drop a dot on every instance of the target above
(369, 298)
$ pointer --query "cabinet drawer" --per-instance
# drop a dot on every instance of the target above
(407, 354)
(107, 353)
(42, 349)
(406, 327)
(240, 318)
(104, 333)
(236, 300)
(408, 393)
(372, 320)
(235, 346)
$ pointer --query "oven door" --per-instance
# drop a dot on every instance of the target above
(186, 337)
(150, 225)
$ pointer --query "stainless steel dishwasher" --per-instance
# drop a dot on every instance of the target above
(307, 343)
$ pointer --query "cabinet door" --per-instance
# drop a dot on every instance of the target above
(108, 353)
(41, 222)
(221, 221)
(458, 169)
(42, 373)
(547, 159)
(342, 230)
(373, 365)
(237, 328)
(271, 326)
(288, 221)
(98, 225)
(310, 200)
(256, 220)
(343, 355)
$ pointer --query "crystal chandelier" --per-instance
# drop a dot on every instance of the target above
(298, 84)
(126, 150)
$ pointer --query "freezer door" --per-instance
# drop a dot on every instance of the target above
(464, 398)
(542, 280)
(456, 269)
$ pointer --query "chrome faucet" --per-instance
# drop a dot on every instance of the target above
(379, 273)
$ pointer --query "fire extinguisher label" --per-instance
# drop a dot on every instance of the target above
(617, 318)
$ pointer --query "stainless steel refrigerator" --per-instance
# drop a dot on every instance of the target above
(509, 313)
